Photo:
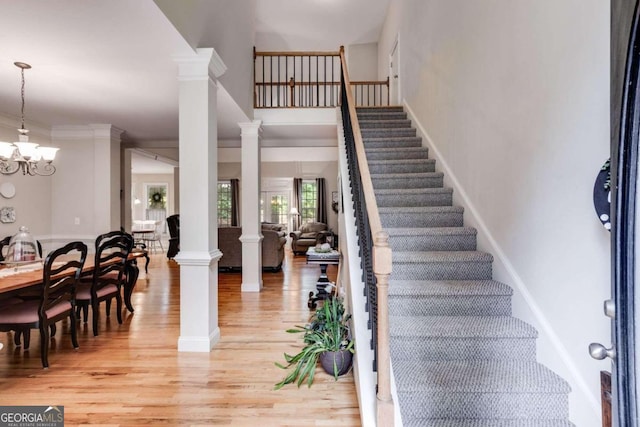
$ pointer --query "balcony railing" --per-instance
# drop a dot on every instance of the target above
(308, 80)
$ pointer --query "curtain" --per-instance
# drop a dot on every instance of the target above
(235, 199)
(296, 202)
(321, 201)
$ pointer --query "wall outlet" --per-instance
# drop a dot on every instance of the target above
(76, 221)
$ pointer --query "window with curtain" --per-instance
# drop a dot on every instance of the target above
(308, 201)
(224, 204)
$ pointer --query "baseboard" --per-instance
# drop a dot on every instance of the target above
(514, 280)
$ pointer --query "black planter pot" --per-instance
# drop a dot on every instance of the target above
(336, 363)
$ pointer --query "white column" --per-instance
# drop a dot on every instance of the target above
(199, 253)
(251, 233)
(107, 179)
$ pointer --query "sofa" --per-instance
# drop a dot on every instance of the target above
(310, 234)
(273, 244)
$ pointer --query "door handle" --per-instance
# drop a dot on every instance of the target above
(600, 352)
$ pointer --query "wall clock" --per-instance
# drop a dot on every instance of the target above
(7, 215)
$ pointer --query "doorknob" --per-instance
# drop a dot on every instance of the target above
(600, 352)
(395, 76)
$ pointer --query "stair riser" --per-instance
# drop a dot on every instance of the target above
(477, 305)
(382, 116)
(464, 242)
(406, 182)
(418, 153)
(414, 200)
(386, 143)
(387, 133)
(437, 405)
(389, 124)
(430, 348)
(411, 220)
(424, 166)
(453, 270)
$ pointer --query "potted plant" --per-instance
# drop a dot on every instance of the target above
(326, 338)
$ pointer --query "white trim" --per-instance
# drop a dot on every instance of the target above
(364, 377)
(198, 258)
(251, 238)
(501, 257)
(197, 66)
(199, 344)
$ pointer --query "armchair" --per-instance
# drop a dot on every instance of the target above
(309, 234)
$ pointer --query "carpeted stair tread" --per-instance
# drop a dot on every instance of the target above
(434, 196)
(384, 124)
(486, 423)
(407, 175)
(425, 327)
(448, 288)
(381, 115)
(477, 376)
(421, 216)
(420, 257)
(430, 231)
(386, 133)
(400, 141)
(390, 108)
(402, 166)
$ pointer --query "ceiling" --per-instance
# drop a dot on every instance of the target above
(97, 61)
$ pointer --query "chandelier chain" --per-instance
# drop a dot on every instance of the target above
(22, 97)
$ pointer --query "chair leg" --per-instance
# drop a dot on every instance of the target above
(108, 305)
(74, 330)
(26, 333)
(44, 345)
(16, 338)
(95, 310)
(119, 307)
(53, 330)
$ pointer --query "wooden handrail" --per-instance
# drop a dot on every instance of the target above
(306, 53)
(381, 264)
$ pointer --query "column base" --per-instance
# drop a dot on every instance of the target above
(199, 344)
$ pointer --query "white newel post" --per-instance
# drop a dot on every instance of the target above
(251, 234)
(199, 253)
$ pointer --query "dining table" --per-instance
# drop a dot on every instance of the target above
(17, 279)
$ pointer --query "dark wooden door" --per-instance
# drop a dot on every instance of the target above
(625, 129)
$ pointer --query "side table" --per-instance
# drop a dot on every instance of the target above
(323, 259)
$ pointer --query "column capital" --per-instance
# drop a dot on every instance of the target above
(251, 128)
(198, 65)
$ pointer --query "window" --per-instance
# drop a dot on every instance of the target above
(308, 202)
(224, 203)
(274, 207)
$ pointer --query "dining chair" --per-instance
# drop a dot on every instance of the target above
(109, 274)
(60, 275)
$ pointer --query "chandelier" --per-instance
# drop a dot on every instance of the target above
(23, 155)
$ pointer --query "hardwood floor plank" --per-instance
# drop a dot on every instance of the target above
(132, 374)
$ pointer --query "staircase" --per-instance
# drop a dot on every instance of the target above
(459, 358)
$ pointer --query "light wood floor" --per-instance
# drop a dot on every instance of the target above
(132, 374)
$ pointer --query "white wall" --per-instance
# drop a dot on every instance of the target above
(228, 28)
(362, 60)
(514, 98)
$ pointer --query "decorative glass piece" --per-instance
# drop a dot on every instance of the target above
(22, 247)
